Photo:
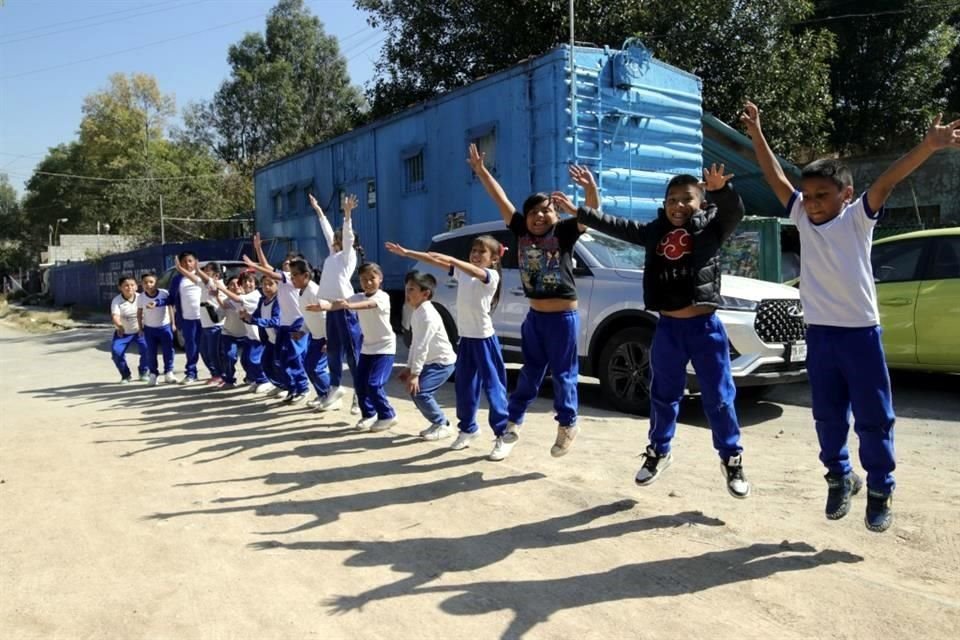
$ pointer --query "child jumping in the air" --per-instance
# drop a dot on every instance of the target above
(431, 358)
(479, 358)
(377, 351)
(549, 332)
(155, 317)
(845, 359)
(266, 317)
(292, 338)
(681, 281)
(342, 326)
(185, 295)
(126, 330)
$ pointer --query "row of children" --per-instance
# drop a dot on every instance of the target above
(681, 283)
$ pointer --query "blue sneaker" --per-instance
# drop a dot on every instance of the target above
(879, 512)
(840, 490)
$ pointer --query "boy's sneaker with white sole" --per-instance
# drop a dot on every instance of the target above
(502, 448)
(152, 381)
(464, 440)
(170, 378)
(262, 387)
(355, 407)
(144, 377)
(330, 402)
(437, 432)
(383, 425)
(840, 492)
(653, 465)
(565, 438)
(737, 484)
(879, 514)
(365, 423)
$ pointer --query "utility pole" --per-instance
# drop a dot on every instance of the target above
(573, 89)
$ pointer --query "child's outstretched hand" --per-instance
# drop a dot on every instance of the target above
(151, 305)
(314, 307)
(257, 245)
(714, 178)
(943, 136)
(349, 204)
(582, 176)
(247, 261)
(395, 249)
(475, 159)
(750, 117)
(442, 258)
(314, 204)
(562, 202)
(336, 305)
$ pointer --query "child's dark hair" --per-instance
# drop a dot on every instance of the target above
(833, 170)
(370, 266)
(534, 201)
(212, 266)
(184, 254)
(124, 279)
(683, 180)
(148, 274)
(299, 266)
(231, 279)
(496, 250)
(246, 276)
(361, 254)
(424, 281)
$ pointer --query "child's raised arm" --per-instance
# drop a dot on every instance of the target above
(325, 227)
(268, 271)
(628, 230)
(584, 177)
(360, 305)
(729, 205)
(189, 275)
(258, 247)
(436, 259)
(347, 236)
(772, 172)
(938, 137)
(494, 190)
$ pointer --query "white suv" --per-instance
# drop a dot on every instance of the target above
(764, 321)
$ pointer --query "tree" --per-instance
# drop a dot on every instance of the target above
(889, 65)
(950, 87)
(288, 89)
(14, 253)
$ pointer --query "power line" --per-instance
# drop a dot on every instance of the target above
(937, 5)
(72, 176)
(96, 24)
(143, 46)
(93, 17)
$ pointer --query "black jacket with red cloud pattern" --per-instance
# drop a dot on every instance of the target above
(682, 264)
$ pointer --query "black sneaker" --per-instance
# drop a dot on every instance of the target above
(737, 483)
(879, 511)
(294, 398)
(653, 466)
(839, 491)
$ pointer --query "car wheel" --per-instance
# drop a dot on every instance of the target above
(624, 370)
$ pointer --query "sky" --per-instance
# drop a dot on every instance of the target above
(53, 53)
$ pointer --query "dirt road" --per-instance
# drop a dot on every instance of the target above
(171, 512)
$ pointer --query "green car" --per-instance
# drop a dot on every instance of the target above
(918, 292)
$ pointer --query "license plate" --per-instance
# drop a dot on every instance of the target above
(798, 352)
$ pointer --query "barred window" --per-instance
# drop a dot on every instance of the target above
(487, 144)
(413, 174)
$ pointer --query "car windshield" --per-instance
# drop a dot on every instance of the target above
(613, 253)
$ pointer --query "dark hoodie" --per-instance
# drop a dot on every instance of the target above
(682, 265)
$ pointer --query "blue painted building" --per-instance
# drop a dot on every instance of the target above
(638, 122)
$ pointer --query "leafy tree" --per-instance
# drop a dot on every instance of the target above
(288, 89)
(950, 87)
(14, 254)
(887, 75)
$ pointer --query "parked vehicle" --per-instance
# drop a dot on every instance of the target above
(227, 268)
(764, 321)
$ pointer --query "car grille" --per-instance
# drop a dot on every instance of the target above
(781, 367)
(780, 321)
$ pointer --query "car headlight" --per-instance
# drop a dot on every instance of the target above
(737, 304)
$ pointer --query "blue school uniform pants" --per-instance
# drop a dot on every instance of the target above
(252, 360)
(118, 349)
(373, 372)
(159, 339)
(847, 370)
(701, 340)
(290, 352)
(190, 330)
(343, 344)
(432, 377)
(315, 363)
(270, 367)
(480, 367)
(229, 353)
(210, 348)
(548, 339)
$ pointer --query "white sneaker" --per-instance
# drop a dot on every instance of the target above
(355, 407)
(464, 439)
(152, 381)
(366, 423)
(502, 448)
(263, 387)
(169, 377)
(565, 438)
(313, 404)
(330, 402)
(335, 393)
(437, 432)
(275, 391)
(383, 425)
(187, 380)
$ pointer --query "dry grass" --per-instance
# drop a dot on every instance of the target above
(34, 320)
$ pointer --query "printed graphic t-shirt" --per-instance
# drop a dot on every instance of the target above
(675, 272)
(546, 262)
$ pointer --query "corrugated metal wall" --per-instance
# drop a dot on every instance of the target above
(638, 124)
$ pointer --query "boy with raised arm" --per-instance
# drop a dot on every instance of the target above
(845, 360)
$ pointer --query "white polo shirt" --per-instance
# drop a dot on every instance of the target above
(474, 298)
(158, 316)
(190, 293)
(430, 343)
(250, 301)
(378, 336)
(207, 293)
(288, 296)
(315, 321)
(127, 311)
(339, 265)
(836, 277)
